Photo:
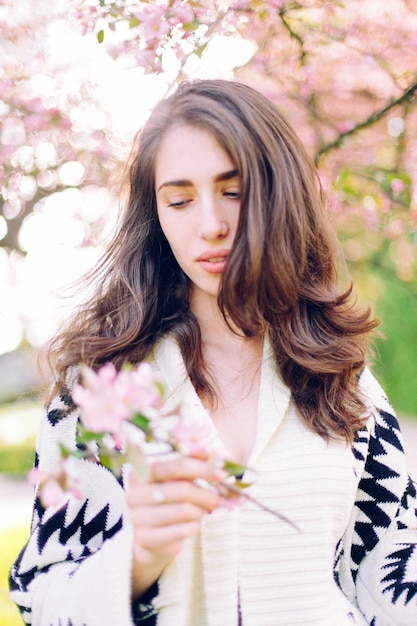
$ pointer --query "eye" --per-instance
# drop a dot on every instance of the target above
(233, 194)
(178, 204)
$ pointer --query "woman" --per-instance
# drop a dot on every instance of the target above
(223, 276)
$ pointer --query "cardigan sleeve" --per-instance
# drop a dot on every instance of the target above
(75, 568)
(383, 551)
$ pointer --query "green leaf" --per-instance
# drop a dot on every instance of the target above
(133, 22)
(160, 387)
(191, 26)
(65, 452)
(105, 459)
(242, 484)
(234, 469)
(141, 422)
(85, 436)
(100, 36)
(112, 460)
(199, 51)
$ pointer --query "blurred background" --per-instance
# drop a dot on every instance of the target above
(77, 80)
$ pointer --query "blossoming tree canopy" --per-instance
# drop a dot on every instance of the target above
(344, 73)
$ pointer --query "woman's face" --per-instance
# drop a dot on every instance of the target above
(198, 201)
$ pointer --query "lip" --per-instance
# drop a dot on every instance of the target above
(213, 254)
(213, 261)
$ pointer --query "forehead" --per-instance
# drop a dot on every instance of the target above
(191, 152)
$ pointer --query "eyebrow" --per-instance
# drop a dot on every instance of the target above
(188, 183)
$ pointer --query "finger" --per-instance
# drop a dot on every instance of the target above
(165, 539)
(157, 495)
(184, 468)
(167, 514)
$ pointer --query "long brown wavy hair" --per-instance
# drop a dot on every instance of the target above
(281, 278)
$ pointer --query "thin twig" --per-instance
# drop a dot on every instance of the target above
(242, 494)
(372, 119)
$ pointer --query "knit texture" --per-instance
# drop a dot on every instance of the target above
(354, 560)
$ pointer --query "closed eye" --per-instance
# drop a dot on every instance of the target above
(178, 204)
(233, 194)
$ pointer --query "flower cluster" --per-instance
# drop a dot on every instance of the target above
(126, 416)
(147, 30)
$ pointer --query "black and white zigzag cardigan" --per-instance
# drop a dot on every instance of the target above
(375, 562)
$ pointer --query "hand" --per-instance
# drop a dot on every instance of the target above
(165, 510)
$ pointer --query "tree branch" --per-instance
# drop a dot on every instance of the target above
(293, 35)
(372, 119)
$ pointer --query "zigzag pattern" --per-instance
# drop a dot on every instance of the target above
(360, 445)
(397, 578)
(85, 531)
(80, 531)
(378, 501)
(383, 496)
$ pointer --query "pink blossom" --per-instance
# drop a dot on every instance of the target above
(154, 23)
(242, 5)
(35, 476)
(277, 4)
(181, 12)
(181, 55)
(107, 398)
(193, 432)
(68, 475)
(106, 375)
(345, 126)
(55, 487)
(145, 58)
(397, 186)
(203, 13)
(394, 229)
(103, 406)
(52, 494)
(139, 389)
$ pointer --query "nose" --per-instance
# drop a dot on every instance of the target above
(213, 223)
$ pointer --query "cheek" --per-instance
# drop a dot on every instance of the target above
(164, 224)
(174, 234)
(169, 231)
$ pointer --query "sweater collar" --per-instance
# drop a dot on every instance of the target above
(274, 395)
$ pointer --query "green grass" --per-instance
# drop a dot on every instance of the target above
(11, 542)
(396, 365)
(17, 459)
(18, 428)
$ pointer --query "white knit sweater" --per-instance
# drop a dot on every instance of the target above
(341, 568)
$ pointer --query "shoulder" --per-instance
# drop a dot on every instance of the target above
(372, 392)
(62, 405)
(58, 423)
(382, 425)
(378, 446)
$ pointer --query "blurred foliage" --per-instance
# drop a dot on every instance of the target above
(18, 458)
(396, 363)
(394, 303)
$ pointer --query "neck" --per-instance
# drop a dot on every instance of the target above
(216, 332)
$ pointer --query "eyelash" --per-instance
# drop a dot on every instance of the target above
(180, 204)
(233, 195)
